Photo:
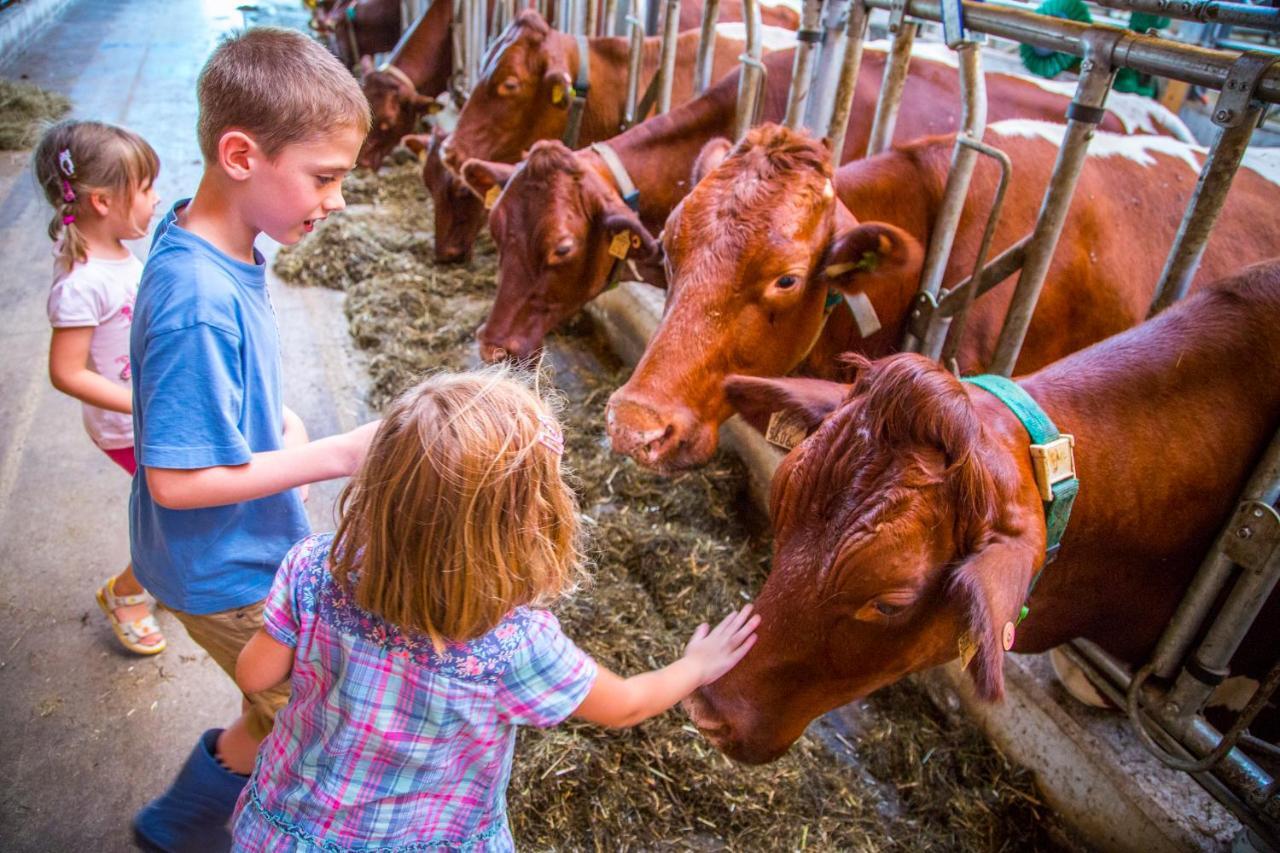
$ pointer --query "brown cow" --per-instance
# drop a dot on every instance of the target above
(525, 92)
(747, 252)
(537, 290)
(459, 215)
(423, 64)
(358, 29)
(910, 516)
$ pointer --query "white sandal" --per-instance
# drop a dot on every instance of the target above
(130, 634)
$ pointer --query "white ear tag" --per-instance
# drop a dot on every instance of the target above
(864, 313)
(784, 430)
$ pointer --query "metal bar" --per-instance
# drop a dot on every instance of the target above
(1004, 265)
(802, 64)
(1208, 11)
(826, 78)
(610, 16)
(848, 85)
(953, 327)
(706, 47)
(1237, 112)
(634, 67)
(1083, 114)
(667, 66)
(964, 158)
(895, 78)
(651, 15)
(750, 83)
(1243, 783)
(591, 25)
(458, 41)
(1263, 487)
(1200, 66)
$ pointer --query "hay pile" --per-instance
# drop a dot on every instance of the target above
(24, 108)
(667, 555)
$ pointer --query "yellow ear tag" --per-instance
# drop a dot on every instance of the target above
(491, 197)
(784, 430)
(557, 93)
(422, 155)
(967, 648)
(621, 244)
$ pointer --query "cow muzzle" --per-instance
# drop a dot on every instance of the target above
(722, 734)
(660, 438)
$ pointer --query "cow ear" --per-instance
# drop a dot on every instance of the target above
(418, 143)
(480, 176)
(559, 88)
(868, 250)
(711, 156)
(801, 402)
(990, 587)
(629, 236)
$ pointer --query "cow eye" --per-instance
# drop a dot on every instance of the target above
(509, 85)
(787, 281)
(888, 608)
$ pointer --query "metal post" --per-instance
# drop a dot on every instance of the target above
(591, 24)
(1083, 115)
(848, 85)
(964, 158)
(750, 83)
(667, 67)
(610, 16)
(807, 40)
(1263, 487)
(895, 78)
(835, 42)
(1231, 14)
(458, 41)
(1237, 112)
(651, 9)
(635, 65)
(706, 47)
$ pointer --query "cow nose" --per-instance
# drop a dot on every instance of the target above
(450, 254)
(495, 349)
(642, 430)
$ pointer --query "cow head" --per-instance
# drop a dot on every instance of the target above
(756, 254)
(459, 215)
(396, 108)
(523, 95)
(904, 531)
(553, 224)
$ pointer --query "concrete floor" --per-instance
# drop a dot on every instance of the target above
(89, 732)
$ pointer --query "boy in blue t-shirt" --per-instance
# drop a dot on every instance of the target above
(216, 503)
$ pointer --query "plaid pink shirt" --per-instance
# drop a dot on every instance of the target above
(386, 745)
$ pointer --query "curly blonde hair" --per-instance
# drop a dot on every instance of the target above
(460, 512)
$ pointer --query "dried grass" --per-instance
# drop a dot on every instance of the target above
(24, 109)
(892, 773)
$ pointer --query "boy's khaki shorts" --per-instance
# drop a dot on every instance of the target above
(223, 635)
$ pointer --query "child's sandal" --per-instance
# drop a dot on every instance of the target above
(130, 634)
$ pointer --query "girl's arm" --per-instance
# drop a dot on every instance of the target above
(264, 662)
(69, 372)
(622, 702)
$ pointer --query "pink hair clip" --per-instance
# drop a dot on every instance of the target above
(68, 194)
(549, 436)
(68, 219)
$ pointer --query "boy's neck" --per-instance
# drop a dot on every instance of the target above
(212, 214)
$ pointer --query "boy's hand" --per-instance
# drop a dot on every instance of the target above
(356, 444)
(717, 650)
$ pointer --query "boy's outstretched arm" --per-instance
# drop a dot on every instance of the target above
(265, 474)
(621, 702)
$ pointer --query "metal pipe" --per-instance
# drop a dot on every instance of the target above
(1200, 66)
(802, 64)
(635, 65)
(752, 78)
(706, 47)
(848, 85)
(945, 342)
(1263, 487)
(1208, 11)
(1001, 267)
(458, 42)
(895, 78)
(1083, 114)
(667, 66)
(964, 158)
(610, 17)
(830, 64)
(591, 24)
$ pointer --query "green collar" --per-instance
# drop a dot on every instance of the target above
(1052, 461)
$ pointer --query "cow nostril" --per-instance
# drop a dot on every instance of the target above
(654, 447)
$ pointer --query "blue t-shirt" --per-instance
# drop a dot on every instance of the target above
(207, 392)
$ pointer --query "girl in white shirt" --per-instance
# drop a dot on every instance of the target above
(100, 181)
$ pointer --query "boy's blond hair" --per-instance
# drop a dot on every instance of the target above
(278, 86)
(460, 512)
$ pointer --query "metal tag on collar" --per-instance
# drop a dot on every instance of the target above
(784, 430)
(1053, 462)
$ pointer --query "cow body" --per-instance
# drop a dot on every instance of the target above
(573, 191)
(361, 28)
(750, 246)
(909, 525)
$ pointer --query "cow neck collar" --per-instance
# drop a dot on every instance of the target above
(1052, 462)
(400, 76)
(612, 162)
(578, 94)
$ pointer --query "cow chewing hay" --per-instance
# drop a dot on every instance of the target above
(667, 554)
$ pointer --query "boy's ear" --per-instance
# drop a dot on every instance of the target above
(237, 152)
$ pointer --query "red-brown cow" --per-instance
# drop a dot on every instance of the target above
(910, 517)
(459, 215)
(358, 29)
(538, 288)
(525, 92)
(749, 250)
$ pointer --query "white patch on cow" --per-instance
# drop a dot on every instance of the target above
(1136, 148)
(1264, 161)
(447, 118)
(771, 38)
(1136, 113)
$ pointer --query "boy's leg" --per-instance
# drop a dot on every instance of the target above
(193, 813)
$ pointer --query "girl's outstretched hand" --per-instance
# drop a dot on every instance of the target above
(716, 650)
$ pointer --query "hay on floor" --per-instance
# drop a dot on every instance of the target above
(24, 110)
